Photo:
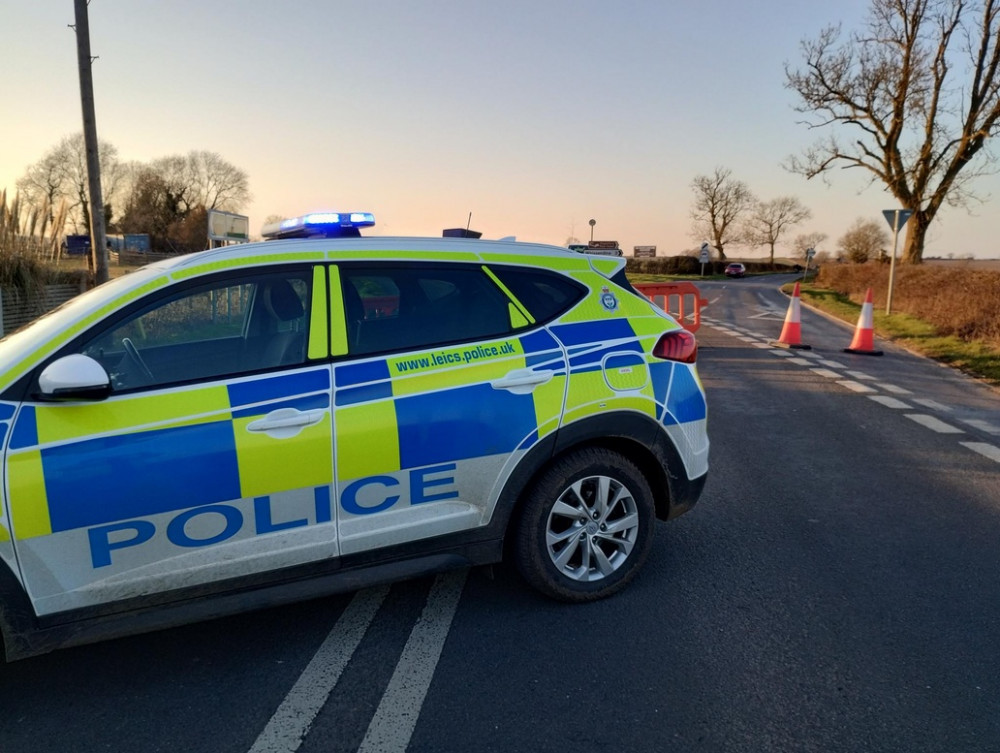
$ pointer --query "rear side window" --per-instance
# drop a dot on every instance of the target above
(393, 307)
(546, 295)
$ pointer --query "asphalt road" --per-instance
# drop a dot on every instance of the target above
(835, 590)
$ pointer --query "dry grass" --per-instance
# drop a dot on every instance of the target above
(30, 238)
(957, 302)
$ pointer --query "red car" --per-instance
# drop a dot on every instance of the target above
(736, 270)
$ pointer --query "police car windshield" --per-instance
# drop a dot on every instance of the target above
(41, 330)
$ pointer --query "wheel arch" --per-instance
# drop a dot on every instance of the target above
(638, 437)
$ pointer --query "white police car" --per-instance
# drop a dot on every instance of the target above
(269, 422)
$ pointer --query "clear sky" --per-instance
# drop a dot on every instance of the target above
(534, 115)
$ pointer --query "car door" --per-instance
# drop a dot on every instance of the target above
(211, 459)
(448, 383)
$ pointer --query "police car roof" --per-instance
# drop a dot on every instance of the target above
(299, 249)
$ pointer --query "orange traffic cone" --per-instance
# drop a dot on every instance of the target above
(864, 335)
(791, 332)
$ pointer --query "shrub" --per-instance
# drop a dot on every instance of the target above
(964, 303)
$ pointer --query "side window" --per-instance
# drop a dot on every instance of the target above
(222, 328)
(396, 307)
(544, 294)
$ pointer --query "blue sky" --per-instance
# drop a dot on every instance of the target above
(535, 116)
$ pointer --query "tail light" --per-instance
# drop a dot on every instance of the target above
(679, 345)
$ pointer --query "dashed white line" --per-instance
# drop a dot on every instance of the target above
(889, 402)
(896, 389)
(986, 426)
(855, 386)
(288, 727)
(934, 424)
(781, 352)
(986, 450)
(831, 364)
(862, 376)
(932, 404)
(799, 361)
(392, 726)
(826, 373)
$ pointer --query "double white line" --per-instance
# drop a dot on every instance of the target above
(397, 713)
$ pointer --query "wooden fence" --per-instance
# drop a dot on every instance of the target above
(18, 309)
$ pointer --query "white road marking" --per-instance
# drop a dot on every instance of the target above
(986, 426)
(855, 386)
(889, 402)
(799, 361)
(758, 344)
(781, 352)
(826, 373)
(288, 727)
(932, 404)
(831, 364)
(895, 390)
(986, 450)
(934, 424)
(862, 376)
(392, 726)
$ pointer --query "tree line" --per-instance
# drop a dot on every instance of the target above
(168, 198)
(725, 210)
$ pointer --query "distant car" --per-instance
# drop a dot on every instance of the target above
(736, 270)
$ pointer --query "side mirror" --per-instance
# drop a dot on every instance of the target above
(74, 377)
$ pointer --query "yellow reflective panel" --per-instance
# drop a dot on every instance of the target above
(58, 422)
(338, 317)
(549, 399)
(367, 440)
(389, 254)
(319, 320)
(29, 506)
(569, 262)
(269, 465)
(248, 262)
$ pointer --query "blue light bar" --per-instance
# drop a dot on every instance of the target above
(320, 225)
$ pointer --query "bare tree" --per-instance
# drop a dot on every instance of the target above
(720, 202)
(217, 184)
(767, 221)
(804, 242)
(61, 174)
(864, 240)
(916, 95)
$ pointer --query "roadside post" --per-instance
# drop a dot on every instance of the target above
(810, 253)
(896, 219)
(703, 256)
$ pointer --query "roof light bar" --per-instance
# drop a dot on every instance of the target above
(320, 225)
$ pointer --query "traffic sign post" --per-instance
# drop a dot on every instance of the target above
(703, 256)
(810, 253)
(896, 219)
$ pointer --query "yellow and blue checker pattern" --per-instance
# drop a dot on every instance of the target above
(85, 465)
(441, 406)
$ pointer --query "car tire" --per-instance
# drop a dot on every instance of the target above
(586, 526)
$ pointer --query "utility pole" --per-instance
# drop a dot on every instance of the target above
(98, 236)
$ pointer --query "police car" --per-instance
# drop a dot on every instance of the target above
(269, 422)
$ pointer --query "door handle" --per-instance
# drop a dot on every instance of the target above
(286, 422)
(521, 381)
